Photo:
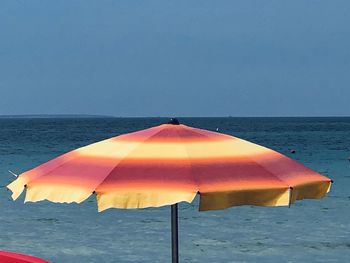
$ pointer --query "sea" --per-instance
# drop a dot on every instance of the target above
(308, 231)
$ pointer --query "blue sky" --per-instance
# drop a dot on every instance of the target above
(175, 58)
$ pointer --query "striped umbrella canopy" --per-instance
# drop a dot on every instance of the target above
(170, 163)
(11, 257)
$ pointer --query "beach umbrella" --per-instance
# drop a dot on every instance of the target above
(168, 164)
(11, 257)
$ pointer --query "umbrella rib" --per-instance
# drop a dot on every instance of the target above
(198, 131)
(64, 162)
(254, 161)
(49, 171)
(138, 145)
(74, 158)
(189, 163)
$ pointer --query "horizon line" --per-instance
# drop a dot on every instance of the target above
(77, 115)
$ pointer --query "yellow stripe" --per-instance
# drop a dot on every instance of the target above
(312, 190)
(142, 198)
(17, 187)
(57, 193)
(158, 150)
(260, 197)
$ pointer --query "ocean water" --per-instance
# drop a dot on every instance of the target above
(309, 231)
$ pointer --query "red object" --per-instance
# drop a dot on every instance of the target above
(11, 257)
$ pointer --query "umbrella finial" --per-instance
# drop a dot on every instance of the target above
(174, 121)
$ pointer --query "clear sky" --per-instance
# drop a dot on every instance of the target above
(175, 58)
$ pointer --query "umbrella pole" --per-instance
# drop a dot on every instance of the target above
(174, 234)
